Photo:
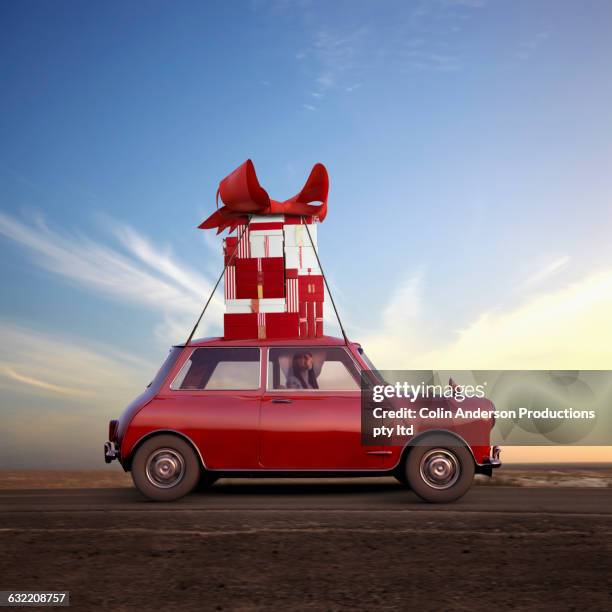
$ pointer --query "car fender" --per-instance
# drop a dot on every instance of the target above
(156, 432)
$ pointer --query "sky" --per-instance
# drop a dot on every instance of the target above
(469, 147)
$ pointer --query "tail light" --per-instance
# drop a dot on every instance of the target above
(113, 426)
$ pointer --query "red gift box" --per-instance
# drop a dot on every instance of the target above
(279, 324)
(303, 288)
(311, 288)
(258, 278)
(240, 326)
(261, 325)
(301, 220)
(311, 319)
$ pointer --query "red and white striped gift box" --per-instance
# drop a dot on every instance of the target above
(244, 246)
(261, 325)
(293, 298)
(311, 319)
(229, 281)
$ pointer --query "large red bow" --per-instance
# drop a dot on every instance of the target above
(242, 195)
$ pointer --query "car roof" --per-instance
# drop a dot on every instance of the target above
(322, 341)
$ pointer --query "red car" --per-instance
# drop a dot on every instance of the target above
(220, 408)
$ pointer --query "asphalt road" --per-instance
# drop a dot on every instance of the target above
(334, 494)
(329, 545)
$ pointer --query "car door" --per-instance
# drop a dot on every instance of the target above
(215, 401)
(313, 428)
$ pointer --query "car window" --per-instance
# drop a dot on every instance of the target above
(156, 383)
(220, 369)
(311, 369)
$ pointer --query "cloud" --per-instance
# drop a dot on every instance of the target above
(427, 60)
(400, 334)
(325, 81)
(475, 4)
(550, 270)
(352, 88)
(29, 381)
(142, 274)
(58, 394)
(45, 365)
(527, 48)
(309, 107)
(565, 328)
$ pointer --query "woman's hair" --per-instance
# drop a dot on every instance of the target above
(295, 370)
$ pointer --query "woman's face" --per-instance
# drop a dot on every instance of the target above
(304, 361)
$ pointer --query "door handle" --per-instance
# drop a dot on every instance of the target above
(281, 400)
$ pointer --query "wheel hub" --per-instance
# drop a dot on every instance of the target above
(165, 468)
(439, 468)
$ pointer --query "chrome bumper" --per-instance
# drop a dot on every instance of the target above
(490, 463)
(111, 452)
(495, 459)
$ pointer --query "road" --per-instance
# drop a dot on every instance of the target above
(325, 545)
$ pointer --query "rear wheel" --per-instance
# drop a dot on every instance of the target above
(440, 470)
(165, 468)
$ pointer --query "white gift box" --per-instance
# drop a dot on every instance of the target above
(245, 306)
(266, 243)
(265, 219)
(302, 257)
(297, 235)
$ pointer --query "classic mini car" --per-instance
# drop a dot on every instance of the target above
(220, 408)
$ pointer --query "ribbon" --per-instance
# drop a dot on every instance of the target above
(242, 195)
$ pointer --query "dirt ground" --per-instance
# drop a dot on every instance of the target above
(316, 561)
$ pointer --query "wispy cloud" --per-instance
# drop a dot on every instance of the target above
(141, 273)
(42, 364)
(29, 382)
(309, 107)
(527, 48)
(353, 87)
(566, 327)
(58, 393)
(415, 38)
(547, 271)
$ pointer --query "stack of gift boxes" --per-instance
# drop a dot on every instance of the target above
(273, 285)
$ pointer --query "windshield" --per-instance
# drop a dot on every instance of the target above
(370, 365)
(374, 375)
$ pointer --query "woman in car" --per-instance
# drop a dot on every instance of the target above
(302, 375)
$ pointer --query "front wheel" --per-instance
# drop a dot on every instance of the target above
(165, 468)
(441, 470)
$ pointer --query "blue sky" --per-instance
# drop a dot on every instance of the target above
(468, 144)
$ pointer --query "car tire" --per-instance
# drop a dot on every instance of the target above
(165, 468)
(440, 469)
